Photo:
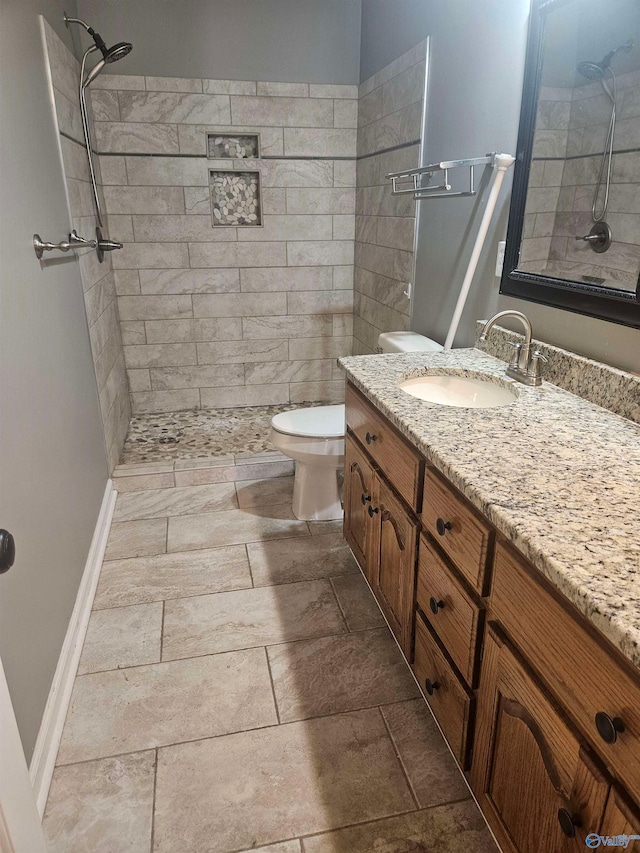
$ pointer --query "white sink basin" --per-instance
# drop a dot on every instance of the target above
(462, 391)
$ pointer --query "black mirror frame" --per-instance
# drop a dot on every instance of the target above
(614, 305)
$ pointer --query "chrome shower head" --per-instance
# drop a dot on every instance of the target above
(118, 51)
(109, 54)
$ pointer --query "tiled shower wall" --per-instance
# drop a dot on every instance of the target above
(97, 279)
(390, 109)
(226, 316)
(570, 135)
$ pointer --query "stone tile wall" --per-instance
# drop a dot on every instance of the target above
(390, 108)
(570, 136)
(97, 279)
(224, 317)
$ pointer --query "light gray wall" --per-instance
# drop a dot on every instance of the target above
(315, 41)
(52, 455)
(473, 106)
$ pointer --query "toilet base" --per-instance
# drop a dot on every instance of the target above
(316, 492)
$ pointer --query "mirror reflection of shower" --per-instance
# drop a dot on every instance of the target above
(603, 72)
(108, 55)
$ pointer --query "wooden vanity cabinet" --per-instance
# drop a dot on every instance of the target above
(540, 710)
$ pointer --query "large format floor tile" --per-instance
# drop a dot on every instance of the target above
(213, 529)
(168, 576)
(454, 828)
(253, 617)
(123, 636)
(137, 539)
(278, 490)
(334, 674)
(147, 706)
(255, 788)
(284, 561)
(102, 806)
(433, 774)
(159, 503)
(357, 602)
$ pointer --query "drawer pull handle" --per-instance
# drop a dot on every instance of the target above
(568, 822)
(369, 437)
(608, 728)
(431, 686)
(442, 526)
(435, 605)
(372, 510)
(365, 498)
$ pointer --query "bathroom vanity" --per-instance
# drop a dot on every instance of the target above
(502, 544)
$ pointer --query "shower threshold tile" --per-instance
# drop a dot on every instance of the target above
(208, 624)
(256, 788)
(233, 527)
(128, 710)
(165, 576)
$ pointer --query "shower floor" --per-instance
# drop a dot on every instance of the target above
(200, 433)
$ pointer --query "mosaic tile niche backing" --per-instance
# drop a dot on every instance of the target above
(235, 198)
(221, 146)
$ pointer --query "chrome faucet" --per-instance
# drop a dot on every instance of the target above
(525, 365)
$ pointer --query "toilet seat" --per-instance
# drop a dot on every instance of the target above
(313, 422)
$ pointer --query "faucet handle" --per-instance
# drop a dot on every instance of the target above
(533, 371)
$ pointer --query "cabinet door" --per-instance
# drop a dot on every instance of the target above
(394, 563)
(538, 786)
(622, 818)
(358, 495)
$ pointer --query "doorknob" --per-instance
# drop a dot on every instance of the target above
(7, 551)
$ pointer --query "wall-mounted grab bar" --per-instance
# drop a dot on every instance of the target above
(100, 244)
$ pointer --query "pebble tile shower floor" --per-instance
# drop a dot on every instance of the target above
(200, 433)
(239, 690)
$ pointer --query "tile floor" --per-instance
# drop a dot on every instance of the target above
(239, 690)
(198, 433)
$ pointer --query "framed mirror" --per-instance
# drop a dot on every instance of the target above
(573, 239)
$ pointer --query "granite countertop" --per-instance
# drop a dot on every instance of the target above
(559, 476)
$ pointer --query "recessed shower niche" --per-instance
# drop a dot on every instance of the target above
(235, 146)
(235, 197)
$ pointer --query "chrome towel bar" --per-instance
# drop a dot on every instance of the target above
(100, 244)
(419, 192)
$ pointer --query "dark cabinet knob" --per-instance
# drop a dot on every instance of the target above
(372, 510)
(442, 526)
(431, 686)
(369, 437)
(568, 823)
(435, 605)
(364, 498)
(7, 551)
(608, 727)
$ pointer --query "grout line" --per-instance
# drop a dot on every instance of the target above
(246, 550)
(162, 632)
(153, 801)
(273, 688)
(405, 773)
(343, 614)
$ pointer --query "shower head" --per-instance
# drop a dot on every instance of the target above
(597, 70)
(109, 54)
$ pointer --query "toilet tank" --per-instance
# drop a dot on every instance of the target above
(406, 342)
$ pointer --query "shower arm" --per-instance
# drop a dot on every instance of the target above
(85, 128)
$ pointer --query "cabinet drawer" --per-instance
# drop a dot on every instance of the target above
(455, 525)
(586, 677)
(449, 699)
(450, 610)
(394, 456)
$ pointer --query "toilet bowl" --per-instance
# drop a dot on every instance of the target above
(314, 438)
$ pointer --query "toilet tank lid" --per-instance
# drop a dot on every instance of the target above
(407, 342)
(312, 422)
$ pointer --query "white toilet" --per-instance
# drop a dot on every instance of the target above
(314, 438)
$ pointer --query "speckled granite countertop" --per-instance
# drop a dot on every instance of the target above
(559, 476)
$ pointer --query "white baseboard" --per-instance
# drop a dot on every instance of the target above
(55, 712)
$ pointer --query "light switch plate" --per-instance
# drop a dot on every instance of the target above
(500, 258)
